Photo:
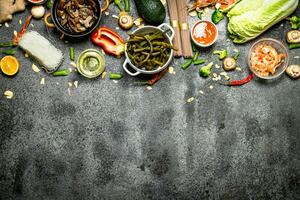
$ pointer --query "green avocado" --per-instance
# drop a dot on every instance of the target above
(152, 11)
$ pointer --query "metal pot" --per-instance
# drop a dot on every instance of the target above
(56, 23)
(144, 30)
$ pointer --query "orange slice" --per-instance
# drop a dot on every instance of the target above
(9, 65)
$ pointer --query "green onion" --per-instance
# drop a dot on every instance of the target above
(64, 72)
(294, 46)
(187, 64)
(127, 5)
(200, 61)
(115, 76)
(72, 53)
(195, 57)
(9, 52)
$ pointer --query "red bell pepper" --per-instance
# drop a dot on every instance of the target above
(110, 41)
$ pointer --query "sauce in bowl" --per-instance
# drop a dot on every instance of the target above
(204, 33)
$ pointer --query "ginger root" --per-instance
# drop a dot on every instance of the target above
(9, 7)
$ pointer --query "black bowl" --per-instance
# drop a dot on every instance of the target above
(69, 33)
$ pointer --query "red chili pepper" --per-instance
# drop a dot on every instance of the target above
(242, 81)
(110, 41)
(23, 30)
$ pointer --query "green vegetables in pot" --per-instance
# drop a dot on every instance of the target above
(152, 11)
(149, 50)
(249, 19)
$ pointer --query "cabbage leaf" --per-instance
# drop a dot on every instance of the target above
(248, 19)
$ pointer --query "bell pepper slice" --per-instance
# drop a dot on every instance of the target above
(110, 41)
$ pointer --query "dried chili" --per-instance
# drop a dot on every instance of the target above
(241, 82)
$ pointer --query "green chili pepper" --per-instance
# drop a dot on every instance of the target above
(200, 61)
(72, 53)
(115, 76)
(127, 5)
(187, 64)
(6, 44)
(195, 57)
(236, 55)
(63, 72)
(194, 47)
(9, 52)
(294, 46)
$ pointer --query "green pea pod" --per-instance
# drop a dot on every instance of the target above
(72, 53)
(200, 61)
(64, 72)
(9, 52)
(187, 64)
(115, 76)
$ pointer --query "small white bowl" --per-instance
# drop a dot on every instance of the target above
(200, 44)
(37, 2)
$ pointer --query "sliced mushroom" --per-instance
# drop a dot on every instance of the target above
(293, 71)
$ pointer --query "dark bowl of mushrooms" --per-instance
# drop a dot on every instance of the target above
(76, 18)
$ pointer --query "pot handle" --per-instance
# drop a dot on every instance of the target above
(46, 20)
(168, 27)
(127, 71)
(105, 6)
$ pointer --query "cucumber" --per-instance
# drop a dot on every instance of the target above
(152, 11)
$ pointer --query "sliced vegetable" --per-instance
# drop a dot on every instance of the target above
(294, 21)
(49, 4)
(196, 55)
(294, 46)
(9, 52)
(229, 64)
(217, 16)
(205, 71)
(9, 65)
(249, 19)
(72, 53)
(187, 64)
(199, 14)
(293, 36)
(63, 72)
(127, 5)
(200, 61)
(222, 53)
(110, 41)
(115, 76)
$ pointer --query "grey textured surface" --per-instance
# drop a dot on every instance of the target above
(118, 141)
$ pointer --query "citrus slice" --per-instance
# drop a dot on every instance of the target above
(9, 65)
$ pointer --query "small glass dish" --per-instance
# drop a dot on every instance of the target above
(37, 2)
(280, 48)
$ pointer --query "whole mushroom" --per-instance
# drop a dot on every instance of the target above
(229, 64)
(38, 11)
(293, 71)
